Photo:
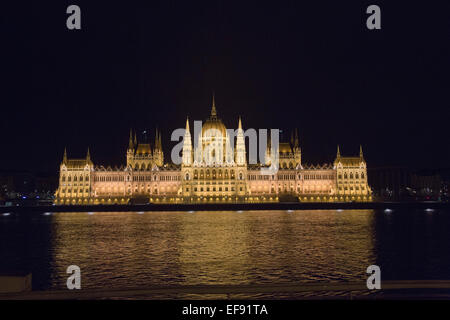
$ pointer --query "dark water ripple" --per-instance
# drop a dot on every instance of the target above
(117, 250)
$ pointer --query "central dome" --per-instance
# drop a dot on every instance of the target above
(213, 126)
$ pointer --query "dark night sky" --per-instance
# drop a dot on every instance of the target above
(277, 64)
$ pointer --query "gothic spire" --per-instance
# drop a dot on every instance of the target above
(65, 155)
(130, 142)
(88, 155)
(338, 152)
(296, 138)
(156, 138)
(361, 152)
(213, 107)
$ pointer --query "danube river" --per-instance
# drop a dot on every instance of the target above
(144, 249)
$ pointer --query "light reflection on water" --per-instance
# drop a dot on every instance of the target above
(126, 249)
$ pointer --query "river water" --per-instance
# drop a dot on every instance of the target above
(141, 249)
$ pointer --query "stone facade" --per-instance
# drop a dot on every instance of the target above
(214, 170)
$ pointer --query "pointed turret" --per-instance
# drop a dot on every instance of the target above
(187, 146)
(213, 108)
(338, 155)
(65, 155)
(130, 142)
(361, 155)
(268, 151)
(88, 155)
(135, 139)
(240, 145)
(296, 139)
(156, 138)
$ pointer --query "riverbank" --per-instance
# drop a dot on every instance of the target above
(229, 207)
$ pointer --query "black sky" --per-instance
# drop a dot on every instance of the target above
(312, 65)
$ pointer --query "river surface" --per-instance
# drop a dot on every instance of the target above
(141, 249)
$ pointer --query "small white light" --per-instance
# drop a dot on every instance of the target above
(191, 211)
(140, 212)
(90, 213)
(290, 211)
(239, 211)
(47, 213)
(6, 214)
(339, 210)
(387, 210)
(429, 210)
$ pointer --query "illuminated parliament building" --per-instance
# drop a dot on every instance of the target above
(211, 175)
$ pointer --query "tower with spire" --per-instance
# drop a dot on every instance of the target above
(240, 145)
(187, 146)
(158, 156)
(131, 149)
(296, 149)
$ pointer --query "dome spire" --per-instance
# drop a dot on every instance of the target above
(213, 107)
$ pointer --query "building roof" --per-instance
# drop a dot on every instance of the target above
(350, 161)
(285, 147)
(77, 163)
(143, 148)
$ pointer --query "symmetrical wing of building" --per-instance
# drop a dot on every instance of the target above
(215, 169)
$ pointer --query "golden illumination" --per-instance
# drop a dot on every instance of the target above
(228, 178)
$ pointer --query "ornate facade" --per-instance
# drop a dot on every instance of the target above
(214, 169)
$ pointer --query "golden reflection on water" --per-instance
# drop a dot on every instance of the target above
(120, 249)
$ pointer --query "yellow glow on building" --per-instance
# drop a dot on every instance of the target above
(210, 176)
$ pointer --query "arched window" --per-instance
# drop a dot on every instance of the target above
(345, 175)
(240, 176)
(187, 176)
